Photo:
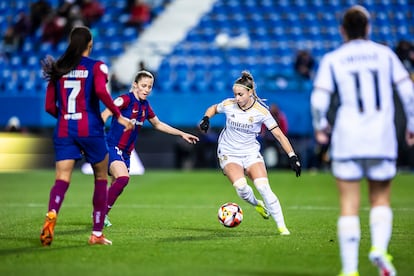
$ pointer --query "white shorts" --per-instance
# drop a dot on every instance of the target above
(372, 169)
(244, 161)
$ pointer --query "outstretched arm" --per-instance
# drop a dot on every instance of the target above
(163, 127)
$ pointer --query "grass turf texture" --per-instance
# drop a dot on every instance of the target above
(165, 223)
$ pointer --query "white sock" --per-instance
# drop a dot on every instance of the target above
(380, 222)
(349, 234)
(244, 191)
(271, 201)
(97, 233)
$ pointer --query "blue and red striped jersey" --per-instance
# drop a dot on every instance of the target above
(137, 111)
(74, 100)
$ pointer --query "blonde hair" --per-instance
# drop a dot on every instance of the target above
(246, 80)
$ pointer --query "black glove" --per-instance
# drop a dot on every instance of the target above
(205, 124)
(295, 164)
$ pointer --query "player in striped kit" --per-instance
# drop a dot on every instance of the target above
(76, 85)
(135, 106)
(239, 151)
(363, 141)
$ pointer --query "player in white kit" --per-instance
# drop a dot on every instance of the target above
(239, 151)
(363, 136)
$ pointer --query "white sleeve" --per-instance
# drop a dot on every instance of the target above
(404, 86)
(269, 121)
(320, 100)
(321, 95)
(406, 92)
(222, 105)
(325, 78)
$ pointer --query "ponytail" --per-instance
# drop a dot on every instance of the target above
(246, 80)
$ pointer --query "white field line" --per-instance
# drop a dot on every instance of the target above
(178, 206)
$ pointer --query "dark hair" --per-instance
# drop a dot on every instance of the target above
(246, 79)
(143, 74)
(78, 42)
(355, 22)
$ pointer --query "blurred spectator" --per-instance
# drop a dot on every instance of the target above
(54, 28)
(129, 5)
(65, 6)
(60, 22)
(281, 120)
(39, 11)
(91, 11)
(143, 67)
(272, 151)
(10, 42)
(75, 19)
(155, 6)
(304, 64)
(405, 52)
(205, 150)
(185, 156)
(139, 15)
(21, 26)
(13, 36)
(116, 86)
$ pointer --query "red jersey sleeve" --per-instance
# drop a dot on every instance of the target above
(151, 113)
(122, 101)
(100, 71)
(50, 103)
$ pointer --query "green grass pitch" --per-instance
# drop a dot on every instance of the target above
(165, 223)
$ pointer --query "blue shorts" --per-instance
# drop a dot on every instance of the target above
(116, 154)
(93, 148)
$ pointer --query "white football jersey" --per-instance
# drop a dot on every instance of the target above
(242, 128)
(363, 73)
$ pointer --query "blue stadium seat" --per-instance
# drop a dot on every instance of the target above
(129, 34)
(276, 29)
(16, 62)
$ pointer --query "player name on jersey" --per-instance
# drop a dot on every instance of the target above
(77, 74)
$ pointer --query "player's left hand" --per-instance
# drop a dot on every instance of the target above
(295, 164)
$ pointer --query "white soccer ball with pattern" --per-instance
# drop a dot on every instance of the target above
(230, 214)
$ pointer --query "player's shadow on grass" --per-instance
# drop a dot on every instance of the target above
(213, 233)
(37, 247)
(246, 272)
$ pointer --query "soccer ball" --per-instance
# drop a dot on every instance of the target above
(230, 214)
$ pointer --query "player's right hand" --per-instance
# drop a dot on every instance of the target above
(204, 124)
(126, 123)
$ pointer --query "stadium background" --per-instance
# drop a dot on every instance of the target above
(196, 50)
